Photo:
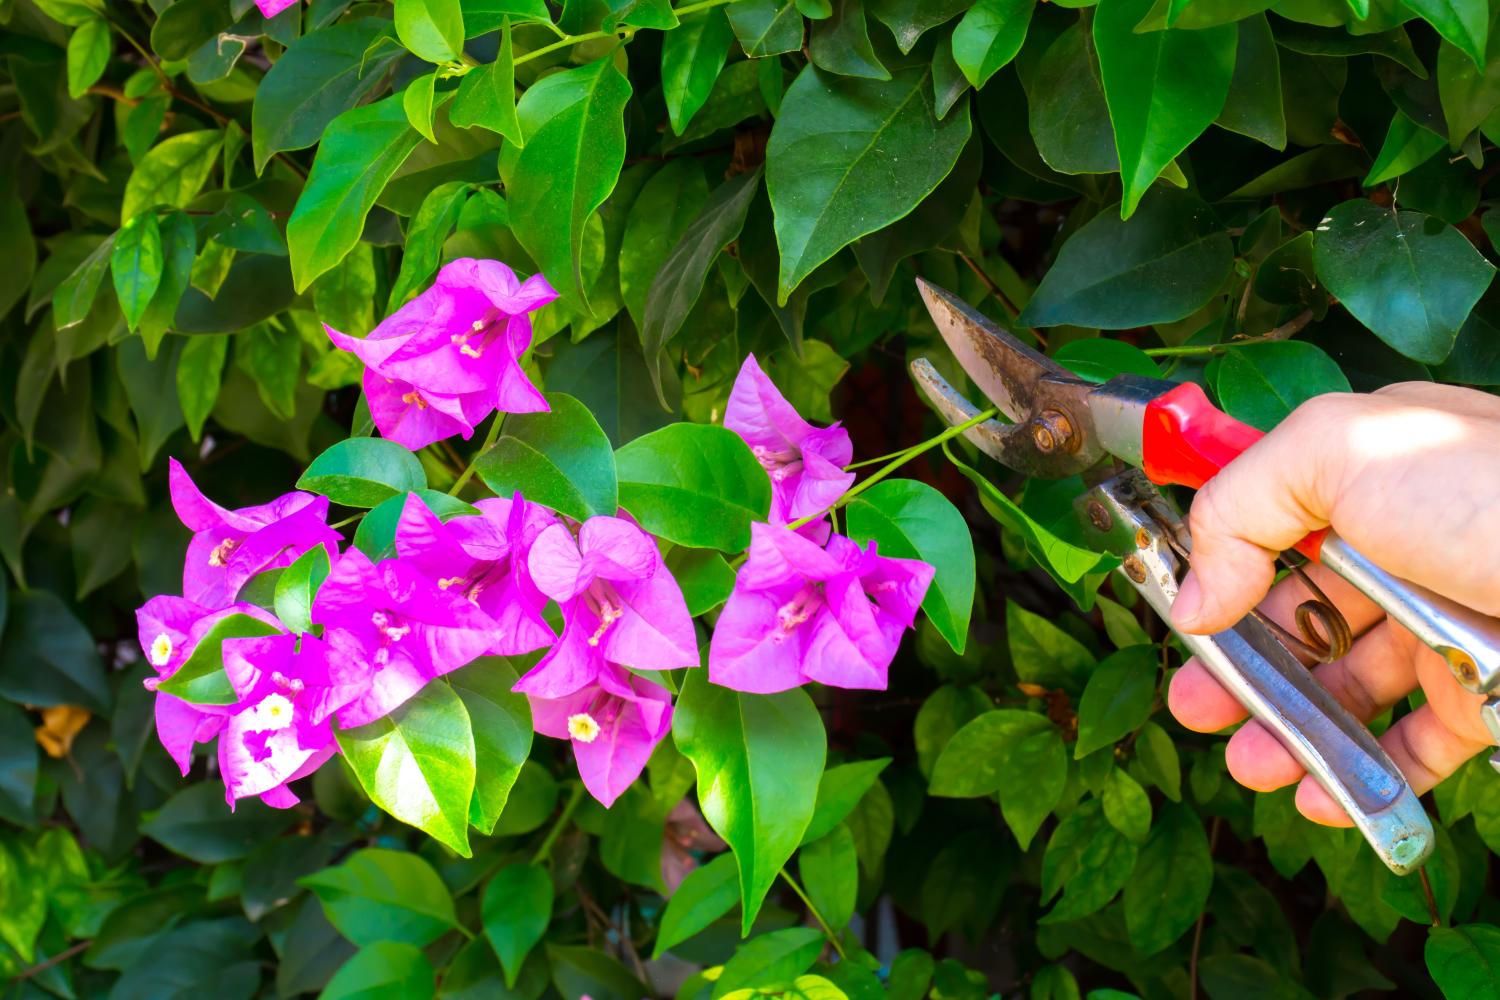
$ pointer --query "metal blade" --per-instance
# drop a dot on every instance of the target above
(1004, 369)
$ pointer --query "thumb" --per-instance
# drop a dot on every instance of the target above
(1262, 503)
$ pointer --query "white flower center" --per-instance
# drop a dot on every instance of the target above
(273, 712)
(161, 650)
(799, 609)
(583, 728)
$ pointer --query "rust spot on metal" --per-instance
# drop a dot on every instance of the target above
(1135, 569)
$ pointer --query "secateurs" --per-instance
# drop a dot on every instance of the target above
(1132, 434)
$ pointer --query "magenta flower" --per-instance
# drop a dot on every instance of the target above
(170, 629)
(483, 559)
(805, 463)
(620, 606)
(289, 689)
(614, 723)
(270, 8)
(398, 623)
(231, 546)
(451, 356)
(802, 613)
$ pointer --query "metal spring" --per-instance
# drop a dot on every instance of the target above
(1325, 646)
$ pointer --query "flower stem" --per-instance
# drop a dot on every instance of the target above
(488, 443)
(565, 40)
(545, 851)
(900, 459)
(827, 931)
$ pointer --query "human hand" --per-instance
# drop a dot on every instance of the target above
(1410, 476)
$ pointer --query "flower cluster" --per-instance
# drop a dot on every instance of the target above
(807, 605)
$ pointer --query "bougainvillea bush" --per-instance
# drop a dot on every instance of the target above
(468, 529)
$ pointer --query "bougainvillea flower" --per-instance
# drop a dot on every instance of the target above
(614, 723)
(270, 8)
(231, 546)
(450, 357)
(805, 463)
(484, 559)
(169, 630)
(620, 605)
(802, 613)
(280, 729)
(399, 625)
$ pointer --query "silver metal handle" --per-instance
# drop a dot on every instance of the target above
(1127, 516)
(1468, 640)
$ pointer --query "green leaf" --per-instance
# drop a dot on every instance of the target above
(560, 459)
(1407, 146)
(1126, 805)
(1254, 105)
(383, 895)
(88, 55)
(575, 145)
(47, 657)
(297, 586)
(425, 236)
(841, 44)
(1100, 359)
(1465, 961)
(1116, 699)
(708, 893)
(200, 369)
(773, 959)
(179, 241)
(1170, 885)
(363, 472)
(910, 19)
(704, 576)
(201, 679)
(1465, 23)
(382, 969)
(74, 298)
(1157, 755)
(360, 151)
(580, 971)
(828, 161)
(487, 95)
(172, 173)
(679, 282)
(1068, 116)
(18, 767)
(1018, 754)
(319, 77)
(691, 58)
(911, 520)
(758, 758)
(197, 824)
(1042, 653)
(839, 791)
(1469, 90)
(1159, 267)
(484, 16)
(1409, 278)
(1163, 89)
(694, 485)
(501, 720)
(830, 875)
(1262, 384)
(418, 764)
(376, 534)
(766, 27)
(944, 713)
(188, 24)
(517, 910)
(417, 100)
(136, 265)
(431, 29)
(1089, 860)
(989, 36)
(662, 211)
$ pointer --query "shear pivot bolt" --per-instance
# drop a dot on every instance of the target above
(1051, 431)
(1098, 516)
(1135, 569)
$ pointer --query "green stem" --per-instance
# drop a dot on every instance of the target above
(347, 521)
(488, 443)
(900, 459)
(827, 931)
(565, 40)
(545, 851)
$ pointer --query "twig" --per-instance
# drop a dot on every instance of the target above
(1432, 910)
(1285, 331)
(1010, 307)
(545, 851)
(1213, 841)
(61, 956)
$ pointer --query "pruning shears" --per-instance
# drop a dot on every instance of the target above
(1130, 435)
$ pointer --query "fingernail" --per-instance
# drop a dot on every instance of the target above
(1189, 602)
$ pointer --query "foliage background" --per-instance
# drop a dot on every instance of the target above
(186, 188)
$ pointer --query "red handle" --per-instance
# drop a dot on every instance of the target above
(1187, 440)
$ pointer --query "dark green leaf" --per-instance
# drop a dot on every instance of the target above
(1018, 754)
(517, 909)
(382, 969)
(766, 27)
(197, 824)
(1465, 23)
(1253, 106)
(1465, 961)
(382, 895)
(1407, 146)
(362, 472)
(1262, 383)
(839, 791)
(47, 657)
(910, 19)
(773, 959)
(691, 58)
(1117, 698)
(841, 44)
(708, 893)
(830, 875)
(1171, 881)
